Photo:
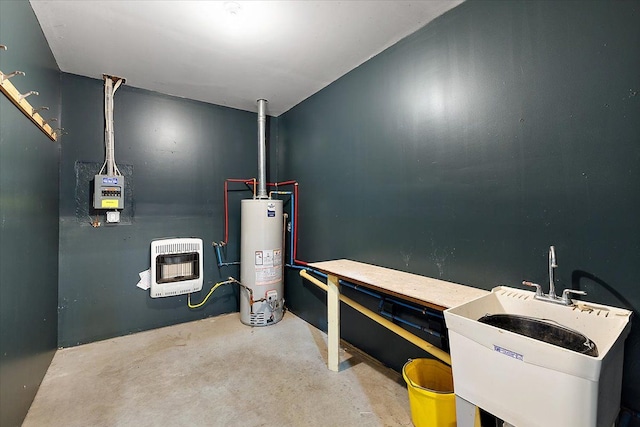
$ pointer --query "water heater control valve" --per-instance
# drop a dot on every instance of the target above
(272, 296)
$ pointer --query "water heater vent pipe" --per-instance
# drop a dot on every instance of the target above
(262, 149)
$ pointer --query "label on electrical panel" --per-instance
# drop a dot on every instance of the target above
(268, 266)
(109, 203)
(271, 210)
(110, 180)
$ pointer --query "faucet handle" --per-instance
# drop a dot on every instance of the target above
(538, 287)
(565, 295)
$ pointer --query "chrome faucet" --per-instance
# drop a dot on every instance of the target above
(553, 263)
(551, 296)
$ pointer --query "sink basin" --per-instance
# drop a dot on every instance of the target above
(520, 378)
(542, 330)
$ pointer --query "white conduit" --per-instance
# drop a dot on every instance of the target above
(109, 141)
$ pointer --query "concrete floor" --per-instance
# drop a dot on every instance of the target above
(218, 372)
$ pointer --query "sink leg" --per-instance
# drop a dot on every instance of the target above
(467, 414)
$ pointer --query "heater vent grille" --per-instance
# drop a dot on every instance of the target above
(178, 248)
(176, 267)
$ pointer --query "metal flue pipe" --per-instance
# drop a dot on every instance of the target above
(262, 149)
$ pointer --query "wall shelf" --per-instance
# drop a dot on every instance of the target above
(21, 102)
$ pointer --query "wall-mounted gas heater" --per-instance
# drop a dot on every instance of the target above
(176, 266)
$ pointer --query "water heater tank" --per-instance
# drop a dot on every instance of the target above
(261, 262)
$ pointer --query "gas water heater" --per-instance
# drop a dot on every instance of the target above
(261, 262)
(261, 246)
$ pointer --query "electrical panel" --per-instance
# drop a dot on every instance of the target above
(108, 192)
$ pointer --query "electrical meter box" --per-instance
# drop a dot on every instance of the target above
(108, 192)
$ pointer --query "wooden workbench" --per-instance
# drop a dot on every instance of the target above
(425, 291)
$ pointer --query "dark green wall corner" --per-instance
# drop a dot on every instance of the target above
(465, 150)
(29, 163)
(180, 152)
(460, 153)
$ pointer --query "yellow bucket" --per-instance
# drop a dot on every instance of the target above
(431, 397)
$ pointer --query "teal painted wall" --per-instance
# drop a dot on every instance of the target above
(180, 152)
(461, 153)
(29, 163)
(466, 149)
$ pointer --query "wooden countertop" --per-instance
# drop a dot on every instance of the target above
(434, 293)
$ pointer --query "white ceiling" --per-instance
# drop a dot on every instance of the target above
(227, 53)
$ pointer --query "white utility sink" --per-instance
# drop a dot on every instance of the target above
(528, 382)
